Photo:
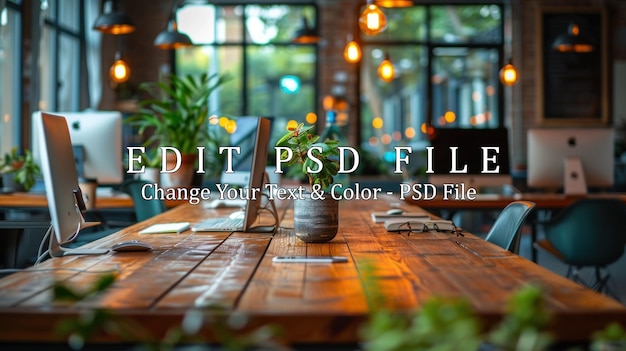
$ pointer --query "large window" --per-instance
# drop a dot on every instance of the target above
(252, 43)
(10, 74)
(60, 55)
(446, 59)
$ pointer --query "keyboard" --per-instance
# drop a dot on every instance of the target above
(219, 224)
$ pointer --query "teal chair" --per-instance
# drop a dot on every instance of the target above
(506, 230)
(144, 209)
(587, 233)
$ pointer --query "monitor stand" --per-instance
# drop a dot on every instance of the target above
(55, 248)
(574, 182)
(267, 228)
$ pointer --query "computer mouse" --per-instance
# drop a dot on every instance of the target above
(395, 211)
(236, 214)
(132, 245)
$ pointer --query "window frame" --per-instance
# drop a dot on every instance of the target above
(244, 44)
(430, 44)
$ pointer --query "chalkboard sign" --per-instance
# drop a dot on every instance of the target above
(572, 86)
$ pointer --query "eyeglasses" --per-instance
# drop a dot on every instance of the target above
(436, 226)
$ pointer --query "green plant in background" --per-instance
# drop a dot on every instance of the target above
(300, 140)
(22, 167)
(612, 338)
(225, 326)
(523, 327)
(176, 113)
(450, 324)
(441, 324)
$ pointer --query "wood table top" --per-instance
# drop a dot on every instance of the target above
(312, 303)
(38, 200)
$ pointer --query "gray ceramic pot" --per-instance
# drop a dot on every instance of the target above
(315, 220)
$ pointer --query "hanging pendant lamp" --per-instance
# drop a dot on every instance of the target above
(372, 20)
(114, 21)
(508, 74)
(306, 34)
(352, 52)
(120, 71)
(171, 38)
(386, 71)
(393, 3)
(573, 41)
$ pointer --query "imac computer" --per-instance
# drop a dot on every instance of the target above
(570, 158)
(244, 220)
(469, 144)
(65, 200)
(97, 140)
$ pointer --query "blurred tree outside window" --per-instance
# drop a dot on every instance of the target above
(272, 76)
(446, 60)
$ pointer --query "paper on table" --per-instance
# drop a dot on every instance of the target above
(176, 227)
(380, 217)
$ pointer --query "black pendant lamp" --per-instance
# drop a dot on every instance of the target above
(306, 34)
(573, 41)
(171, 38)
(114, 21)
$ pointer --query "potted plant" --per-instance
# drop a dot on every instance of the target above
(316, 213)
(151, 160)
(176, 112)
(19, 171)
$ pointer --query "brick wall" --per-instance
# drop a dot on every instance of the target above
(524, 40)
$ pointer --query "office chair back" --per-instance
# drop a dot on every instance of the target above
(505, 231)
(589, 232)
(144, 209)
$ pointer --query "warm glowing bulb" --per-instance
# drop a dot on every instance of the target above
(311, 118)
(352, 52)
(393, 3)
(377, 123)
(372, 21)
(449, 116)
(386, 72)
(508, 74)
(119, 72)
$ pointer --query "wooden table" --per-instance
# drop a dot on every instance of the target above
(312, 303)
(35, 200)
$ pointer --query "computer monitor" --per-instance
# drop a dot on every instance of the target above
(552, 150)
(244, 138)
(97, 140)
(65, 200)
(469, 143)
(258, 175)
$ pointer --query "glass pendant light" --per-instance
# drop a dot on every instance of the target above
(372, 20)
(393, 3)
(352, 52)
(386, 71)
(120, 71)
(508, 74)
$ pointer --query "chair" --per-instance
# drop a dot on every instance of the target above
(505, 231)
(587, 233)
(144, 209)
